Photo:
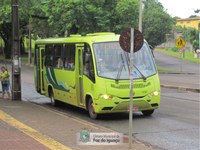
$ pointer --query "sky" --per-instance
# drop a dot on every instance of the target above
(181, 8)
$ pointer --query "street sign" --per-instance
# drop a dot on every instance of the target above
(125, 37)
(180, 43)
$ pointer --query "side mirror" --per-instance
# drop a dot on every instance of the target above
(152, 49)
(87, 57)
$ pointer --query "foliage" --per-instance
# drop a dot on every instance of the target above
(26, 8)
(63, 17)
(91, 16)
(193, 16)
(194, 38)
(156, 22)
(5, 24)
(189, 34)
(174, 49)
(126, 15)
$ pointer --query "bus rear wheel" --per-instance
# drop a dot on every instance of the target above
(91, 111)
(53, 101)
(147, 112)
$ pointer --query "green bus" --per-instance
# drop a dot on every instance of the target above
(92, 72)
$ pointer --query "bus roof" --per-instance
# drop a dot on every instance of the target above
(89, 38)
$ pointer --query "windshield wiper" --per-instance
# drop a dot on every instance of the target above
(141, 74)
(120, 69)
(143, 77)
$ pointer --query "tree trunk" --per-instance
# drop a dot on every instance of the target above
(22, 49)
(7, 49)
(6, 33)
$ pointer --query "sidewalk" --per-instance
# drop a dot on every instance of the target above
(13, 139)
(24, 125)
(188, 82)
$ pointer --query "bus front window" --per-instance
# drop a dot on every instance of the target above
(112, 62)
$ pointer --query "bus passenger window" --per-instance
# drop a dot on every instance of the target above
(69, 64)
(59, 63)
(69, 56)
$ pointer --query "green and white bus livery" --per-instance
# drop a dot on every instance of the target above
(92, 72)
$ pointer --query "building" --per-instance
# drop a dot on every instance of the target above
(188, 22)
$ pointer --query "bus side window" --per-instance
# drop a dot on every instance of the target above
(58, 62)
(69, 64)
(69, 56)
(88, 63)
(49, 59)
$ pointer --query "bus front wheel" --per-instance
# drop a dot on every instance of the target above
(147, 112)
(91, 111)
(53, 101)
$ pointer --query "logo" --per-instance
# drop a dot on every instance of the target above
(84, 136)
(90, 138)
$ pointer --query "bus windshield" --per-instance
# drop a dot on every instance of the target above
(112, 62)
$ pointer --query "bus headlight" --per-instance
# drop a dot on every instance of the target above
(155, 93)
(105, 96)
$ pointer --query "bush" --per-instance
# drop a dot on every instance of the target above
(174, 49)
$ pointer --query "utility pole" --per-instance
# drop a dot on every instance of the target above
(16, 61)
(197, 11)
(30, 42)
(140, 15)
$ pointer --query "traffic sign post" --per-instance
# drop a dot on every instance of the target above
(180, 43)
(131, 41)
(180, 61)
(131, 88)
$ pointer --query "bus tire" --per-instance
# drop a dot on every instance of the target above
(91, 111)
(52, 98)
(147, 112)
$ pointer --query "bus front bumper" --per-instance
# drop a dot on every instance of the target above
(115, 105)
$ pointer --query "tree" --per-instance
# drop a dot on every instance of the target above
(55, 17)
(126, 15)
(156, 22)
(91, 16)
(194, 38)
(5, 26)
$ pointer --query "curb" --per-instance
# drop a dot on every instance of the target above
(181, 88)
(177, 73)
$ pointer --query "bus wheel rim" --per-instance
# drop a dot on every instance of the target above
(92, 109)
(52, 99)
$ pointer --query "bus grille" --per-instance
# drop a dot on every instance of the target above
(126, 86)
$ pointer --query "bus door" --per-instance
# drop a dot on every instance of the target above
(40, 69)
(80, 48)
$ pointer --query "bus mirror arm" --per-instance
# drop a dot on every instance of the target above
(152, 49)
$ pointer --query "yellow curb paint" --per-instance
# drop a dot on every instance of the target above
(44, 140)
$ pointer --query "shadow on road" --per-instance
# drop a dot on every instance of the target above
(71, 111)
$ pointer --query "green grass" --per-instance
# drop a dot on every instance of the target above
(165, 70)
(188, 56)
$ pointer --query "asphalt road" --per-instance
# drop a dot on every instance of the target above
(174, 126)
(175, 65)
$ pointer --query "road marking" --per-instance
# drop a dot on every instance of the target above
(43, 139)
